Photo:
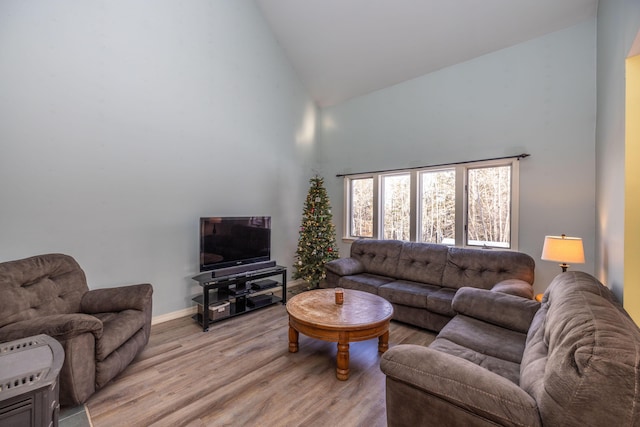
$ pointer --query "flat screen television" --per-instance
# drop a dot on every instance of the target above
(231, 241)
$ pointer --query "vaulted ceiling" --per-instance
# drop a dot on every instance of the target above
(345, 48)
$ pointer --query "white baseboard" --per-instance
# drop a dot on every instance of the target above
(173, 315)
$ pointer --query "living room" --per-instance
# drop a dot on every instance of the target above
(123, 122)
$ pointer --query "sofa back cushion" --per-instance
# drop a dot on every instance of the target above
(422, 262)
(483, 268)
(582, 357)
(40, 286)
(377, 256)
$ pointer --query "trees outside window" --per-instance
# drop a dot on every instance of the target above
(472, 204)
(396, 213)
(438, 195)
(489, 206)
(361, 207)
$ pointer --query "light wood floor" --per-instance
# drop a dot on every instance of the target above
(240, 373)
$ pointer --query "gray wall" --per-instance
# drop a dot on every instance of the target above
(618, 25)
(537, 97)
(122, 122)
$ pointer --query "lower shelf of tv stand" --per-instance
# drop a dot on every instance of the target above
(236, 309)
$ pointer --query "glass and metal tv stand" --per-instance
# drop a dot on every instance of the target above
(228, 296)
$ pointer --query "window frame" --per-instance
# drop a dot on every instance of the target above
(348, 209)
(461, 198)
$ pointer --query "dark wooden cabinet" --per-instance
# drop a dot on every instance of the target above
(29, 388)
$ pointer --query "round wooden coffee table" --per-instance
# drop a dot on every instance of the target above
(361, 317)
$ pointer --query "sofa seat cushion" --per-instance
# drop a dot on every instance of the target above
(484, 344)
(440, 301)
(407, 293)
(364, 282)
(117, 329)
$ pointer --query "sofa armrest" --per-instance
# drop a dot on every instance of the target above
(345, 266)
(136, 297)
(515, 287)
(59, 326)
(467, 387)
(500, 309)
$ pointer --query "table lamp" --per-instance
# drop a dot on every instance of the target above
(564, 250)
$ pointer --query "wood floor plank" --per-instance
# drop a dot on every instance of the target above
(241, 373)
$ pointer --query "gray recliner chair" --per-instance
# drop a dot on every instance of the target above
(101, 330)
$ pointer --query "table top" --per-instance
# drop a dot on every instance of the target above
(360, 309)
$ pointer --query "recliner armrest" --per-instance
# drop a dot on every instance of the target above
(345, 266)
(500, 309)
(58, 326)
(466, 386)
(514, 287)
(136, 297)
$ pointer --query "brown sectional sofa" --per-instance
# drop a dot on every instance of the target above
(421, 279)
(573, 360)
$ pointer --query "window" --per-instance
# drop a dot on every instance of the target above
(471, 204)
(438, 206)
(361, 207)
(396, 208)
(489, 206)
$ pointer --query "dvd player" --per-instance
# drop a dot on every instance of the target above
(264, 284)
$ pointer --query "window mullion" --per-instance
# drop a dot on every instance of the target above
(414, 188)
(515, 203)
(461, 206)
(378, 207)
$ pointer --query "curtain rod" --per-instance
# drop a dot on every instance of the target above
(519, 156)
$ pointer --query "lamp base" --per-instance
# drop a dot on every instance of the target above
(564, 266)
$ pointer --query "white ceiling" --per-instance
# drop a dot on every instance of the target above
(346, 48)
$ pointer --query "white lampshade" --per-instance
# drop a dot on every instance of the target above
(563, 249)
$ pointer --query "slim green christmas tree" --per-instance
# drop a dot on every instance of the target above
(317, 241)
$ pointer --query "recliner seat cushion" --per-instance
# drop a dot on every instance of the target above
(117, 329)
(493, 347)
(117, 361)
(504, 368)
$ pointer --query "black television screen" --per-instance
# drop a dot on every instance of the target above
(230, 241)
